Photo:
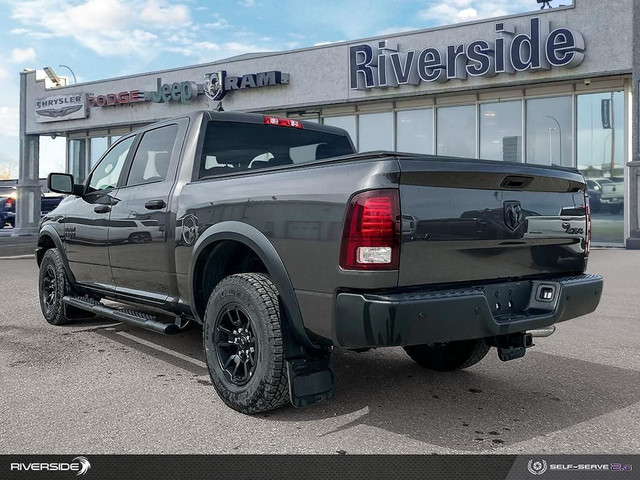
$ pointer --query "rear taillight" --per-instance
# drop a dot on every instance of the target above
(587, 208)
(371, 239)
(9, 203)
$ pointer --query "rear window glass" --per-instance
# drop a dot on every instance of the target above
(233, 147)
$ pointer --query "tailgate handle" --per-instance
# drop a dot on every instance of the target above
(516, 181)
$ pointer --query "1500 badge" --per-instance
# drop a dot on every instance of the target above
(571, 230)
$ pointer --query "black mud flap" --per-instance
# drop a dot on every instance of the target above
(311, 380)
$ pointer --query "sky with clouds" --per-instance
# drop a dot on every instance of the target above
(109, 38)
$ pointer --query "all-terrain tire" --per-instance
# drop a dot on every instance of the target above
(52, 286)
(450, 356)
(242, 314)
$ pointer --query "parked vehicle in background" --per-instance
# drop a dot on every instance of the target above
(49, 201)
(7, 206)
(611, 193)
(594, 191)
(7, 211)
(284, 243)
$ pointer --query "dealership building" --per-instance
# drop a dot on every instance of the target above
(554, 87)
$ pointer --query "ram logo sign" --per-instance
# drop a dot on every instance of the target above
(217, 84)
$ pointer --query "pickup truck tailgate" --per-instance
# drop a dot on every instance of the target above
(471, 221)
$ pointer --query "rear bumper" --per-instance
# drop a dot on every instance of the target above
(371, 320)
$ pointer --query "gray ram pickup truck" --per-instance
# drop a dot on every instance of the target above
(283, 243)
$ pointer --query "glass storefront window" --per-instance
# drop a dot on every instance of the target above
(415, 131)
(456, 131)
(501, 131)
(375, 132)
(52, 155)
(347, 123)
(77, 158)
(98, 147)
(600, 157)
(549, 131)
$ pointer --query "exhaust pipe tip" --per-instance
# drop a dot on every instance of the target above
(542, 332)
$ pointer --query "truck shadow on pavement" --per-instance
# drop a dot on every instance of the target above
(489, 406)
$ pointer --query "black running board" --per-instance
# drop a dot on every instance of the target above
(131, 317)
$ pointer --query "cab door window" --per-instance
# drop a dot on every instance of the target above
(151, 161)
(108, 171)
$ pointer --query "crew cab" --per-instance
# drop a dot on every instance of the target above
(284, 243)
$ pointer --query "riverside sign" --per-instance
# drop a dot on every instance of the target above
(540, 48)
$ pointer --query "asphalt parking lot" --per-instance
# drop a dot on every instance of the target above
(101, 387)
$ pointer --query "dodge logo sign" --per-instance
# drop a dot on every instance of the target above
(512, 215)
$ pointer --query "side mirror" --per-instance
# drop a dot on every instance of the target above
(62, 183)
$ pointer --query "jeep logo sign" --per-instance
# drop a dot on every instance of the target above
(538, 49)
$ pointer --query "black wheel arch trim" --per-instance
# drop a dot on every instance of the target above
(254, 239)
(49, 231)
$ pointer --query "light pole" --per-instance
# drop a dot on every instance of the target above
(613, 137)
(551, 129)
(604, 147)
(559, 135)
(74, 75)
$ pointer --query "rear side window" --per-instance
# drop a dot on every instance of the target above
(234, 147)
(151, 161)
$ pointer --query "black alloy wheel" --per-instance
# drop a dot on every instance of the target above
(49, 287)
(53, 286)
(236, 346)
(243, 343)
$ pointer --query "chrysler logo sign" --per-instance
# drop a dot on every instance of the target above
(61, 107)
(383, 65)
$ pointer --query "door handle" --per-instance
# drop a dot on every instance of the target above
(102, 209)
(155, 204)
